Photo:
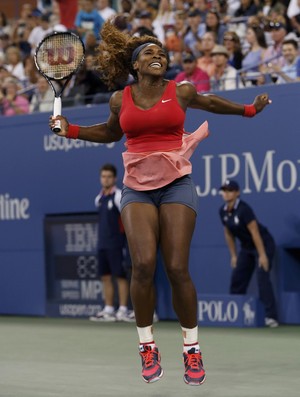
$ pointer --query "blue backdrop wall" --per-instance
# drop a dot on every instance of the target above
(42, 174)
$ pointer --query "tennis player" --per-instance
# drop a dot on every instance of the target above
(159, 200)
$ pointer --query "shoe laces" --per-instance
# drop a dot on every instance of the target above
(193, 360)
(149, 357)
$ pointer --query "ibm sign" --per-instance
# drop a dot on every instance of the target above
(230, 311)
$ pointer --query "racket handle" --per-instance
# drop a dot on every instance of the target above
(57, 112)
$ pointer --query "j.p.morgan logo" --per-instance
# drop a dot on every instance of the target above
(270, 174)
(12, 208)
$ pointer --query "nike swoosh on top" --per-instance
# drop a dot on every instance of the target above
(166, 100)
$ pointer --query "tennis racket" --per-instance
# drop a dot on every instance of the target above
(57, 58)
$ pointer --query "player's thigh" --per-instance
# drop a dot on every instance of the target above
(177, 224)
(141, 225)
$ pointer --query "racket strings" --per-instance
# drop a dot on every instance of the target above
(59, 56)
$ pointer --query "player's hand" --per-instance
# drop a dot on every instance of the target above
(261, 101)
(64, 125)
(233, 262)
(263, 262)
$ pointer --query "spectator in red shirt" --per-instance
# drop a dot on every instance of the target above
(193, 74)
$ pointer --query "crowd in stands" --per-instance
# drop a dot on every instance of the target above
(214, 44)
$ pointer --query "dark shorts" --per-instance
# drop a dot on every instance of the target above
(180, 191)
(111, 262)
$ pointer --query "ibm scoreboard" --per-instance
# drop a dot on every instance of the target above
(73, 285)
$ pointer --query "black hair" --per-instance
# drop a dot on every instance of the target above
(109, 167)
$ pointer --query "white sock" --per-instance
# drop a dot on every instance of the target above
(145, 334)
(123, 309)
(190, 335)
(109, 309)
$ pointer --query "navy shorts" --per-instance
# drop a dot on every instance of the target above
(111, 262)
(180, 191)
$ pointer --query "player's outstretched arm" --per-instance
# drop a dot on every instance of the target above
(100, 133)
(215, 104)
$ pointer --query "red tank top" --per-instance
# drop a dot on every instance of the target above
(159, 128)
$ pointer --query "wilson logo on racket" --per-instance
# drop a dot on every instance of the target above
(60, 56)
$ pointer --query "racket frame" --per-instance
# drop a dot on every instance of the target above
(57, 94)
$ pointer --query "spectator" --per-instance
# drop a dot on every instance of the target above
(180, 25)
(31, 76)
(193, 74)
(233, 45)
(42, 99)
(165, 19)
(213, 24)
(290, 72)
(205, 61)
(201, 5)
(225, 76)
(88, 19)
(246, 9)
(10, 101)
(257, 249)
(5, 28)
(232, 7)
(194, 33)
(144, 25)
(126, 7)
(253, 58)
(111, 245)
(104, 9)
(40, 31)
(293, 12)
(174, 36)
(22, 28)
(90, 42)
(278, 32)
(14, 62)
(4, 42)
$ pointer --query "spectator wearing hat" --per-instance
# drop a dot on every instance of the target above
(225, 76)
(278, 32)
(194, 33)
(257, 249)
(193, 74)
